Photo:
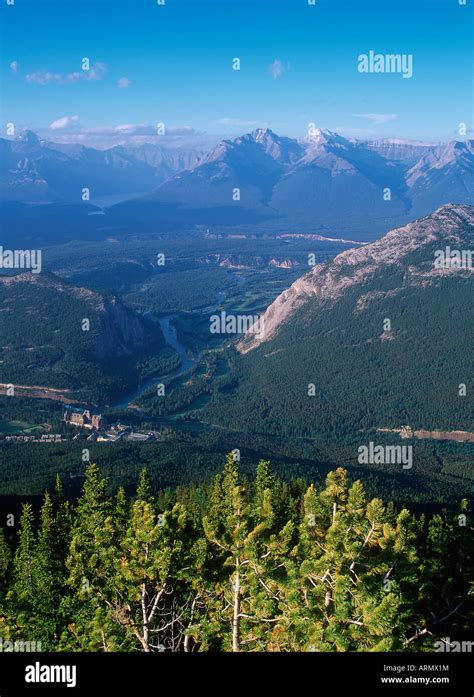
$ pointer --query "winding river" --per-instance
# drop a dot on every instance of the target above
(187, 362)
(171, 338)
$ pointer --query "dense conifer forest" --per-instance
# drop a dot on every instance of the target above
(364, 384)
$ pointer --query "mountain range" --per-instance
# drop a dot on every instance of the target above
(38, 171)
(324, 182)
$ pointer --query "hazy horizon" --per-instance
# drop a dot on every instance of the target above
(201, 140)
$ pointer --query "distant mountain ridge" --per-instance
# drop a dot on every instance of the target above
(324, 183)
(39, 171)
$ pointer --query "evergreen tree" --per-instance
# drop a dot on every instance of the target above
(23, 591)
(92, 538)
(5, 557)
(5, 561)
(247, 548)
(144, 487)
(346, 552)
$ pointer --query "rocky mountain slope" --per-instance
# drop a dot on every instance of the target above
(63, 336)
(377, 338)
(451, 225)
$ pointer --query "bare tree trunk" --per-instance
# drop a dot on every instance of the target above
(187, 638)
(236, 616)
(145, 638)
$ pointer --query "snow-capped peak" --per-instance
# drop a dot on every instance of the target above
(262, 134)
(318, 135)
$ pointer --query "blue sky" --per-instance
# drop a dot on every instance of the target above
(173, 64)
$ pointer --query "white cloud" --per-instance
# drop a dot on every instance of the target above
(142, 129)
(64, 122)
(130, 128)
(377, 119)
(96, 72)
(44, 77)
(14, 66)
(68, 129)
(123, 83)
